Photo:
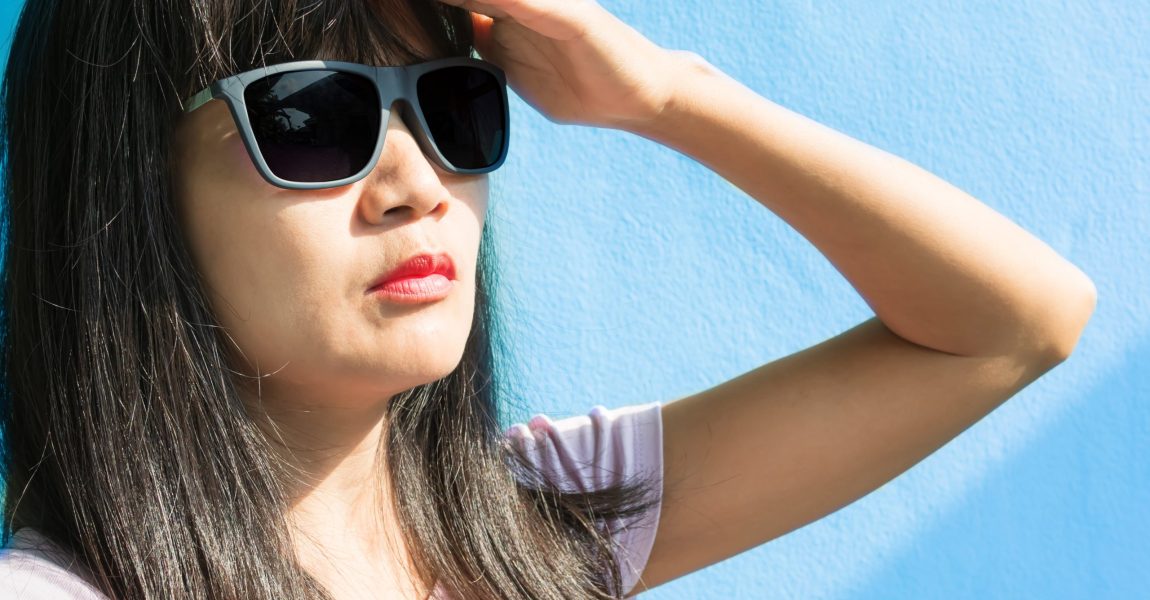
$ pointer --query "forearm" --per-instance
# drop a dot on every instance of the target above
(937, 266)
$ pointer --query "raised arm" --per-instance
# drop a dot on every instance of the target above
(970, 307)
(938, 267)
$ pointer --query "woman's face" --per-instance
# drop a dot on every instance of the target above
(288, 271)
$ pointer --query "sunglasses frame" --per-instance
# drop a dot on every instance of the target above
(392, 83)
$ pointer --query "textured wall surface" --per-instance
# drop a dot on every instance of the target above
(636, 274)
(643, 275)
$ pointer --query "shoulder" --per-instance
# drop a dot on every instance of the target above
(594, 450)
(32, 567)
(598, 449)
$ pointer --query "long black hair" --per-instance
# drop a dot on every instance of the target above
(124, 438)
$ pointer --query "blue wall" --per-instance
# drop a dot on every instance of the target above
(1036, 108)
(9, 10)
(1039, 109)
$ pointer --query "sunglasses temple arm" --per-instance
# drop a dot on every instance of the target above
(198, 100)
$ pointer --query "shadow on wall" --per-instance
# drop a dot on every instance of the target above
(1075, 507)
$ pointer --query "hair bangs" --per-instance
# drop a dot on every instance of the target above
(231, 36)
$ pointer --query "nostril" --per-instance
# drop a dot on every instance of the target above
(398, 209)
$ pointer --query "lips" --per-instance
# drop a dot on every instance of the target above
(420, 265)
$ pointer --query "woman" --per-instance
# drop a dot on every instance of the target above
(220, 385)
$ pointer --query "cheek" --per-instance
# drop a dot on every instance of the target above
(238, 165)
(241, 240)
(228, 225)
(264, 287)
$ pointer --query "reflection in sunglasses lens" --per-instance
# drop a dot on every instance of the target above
(314, 126)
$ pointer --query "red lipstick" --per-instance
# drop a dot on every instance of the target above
(425, 277)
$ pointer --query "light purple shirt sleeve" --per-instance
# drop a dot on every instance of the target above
(582, 453)
(601, 448)
(32, 567)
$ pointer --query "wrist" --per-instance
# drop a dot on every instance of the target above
(685, 71)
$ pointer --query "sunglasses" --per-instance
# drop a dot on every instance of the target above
(317, 124)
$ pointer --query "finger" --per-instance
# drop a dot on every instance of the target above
(481, 25)
(482, 8)
(557, 19)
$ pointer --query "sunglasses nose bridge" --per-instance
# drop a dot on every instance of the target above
(398, 91)
(392, 85)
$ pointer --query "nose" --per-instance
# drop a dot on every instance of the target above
(404, 185)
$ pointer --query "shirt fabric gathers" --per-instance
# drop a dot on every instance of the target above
(581, 453)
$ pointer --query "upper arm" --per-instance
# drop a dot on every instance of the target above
(799, 438)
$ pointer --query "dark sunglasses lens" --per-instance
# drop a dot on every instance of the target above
(466, 113)
(314, 126)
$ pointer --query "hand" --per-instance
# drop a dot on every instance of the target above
(573, 61)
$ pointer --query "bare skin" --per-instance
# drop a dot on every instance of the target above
(962, 297)
(970, 308)
(287, 271)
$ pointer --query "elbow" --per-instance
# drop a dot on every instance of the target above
(1070, 311)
